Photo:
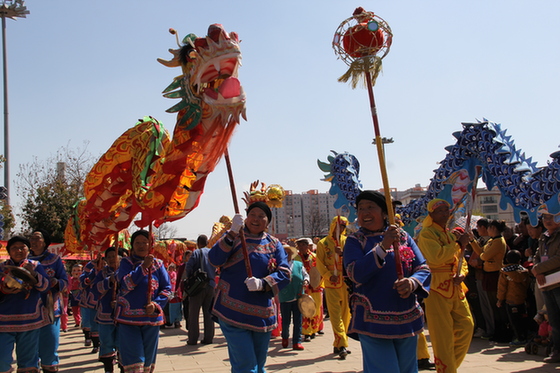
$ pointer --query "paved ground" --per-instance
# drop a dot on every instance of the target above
(175, 356)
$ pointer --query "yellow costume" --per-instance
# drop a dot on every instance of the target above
(422, 351)
(329, 263)
(311, 325)
(447, 311)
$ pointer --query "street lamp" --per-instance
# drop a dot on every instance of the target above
(8, 9)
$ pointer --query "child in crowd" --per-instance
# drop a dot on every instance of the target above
(289, 300)
(512, 289)
(545, 330)
(74, 290)
(64, 312)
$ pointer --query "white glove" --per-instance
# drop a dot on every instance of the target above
(254, 284)
(236, 223)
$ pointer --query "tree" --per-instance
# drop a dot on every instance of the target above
(163, 232)
(7, 220)
(50, 188)
(318, 224)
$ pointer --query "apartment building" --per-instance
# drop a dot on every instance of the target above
(308, 214)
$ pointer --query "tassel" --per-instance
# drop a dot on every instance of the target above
(359, 67)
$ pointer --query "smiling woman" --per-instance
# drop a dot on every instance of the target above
(385, 310)
(23, 314)
(244, 305)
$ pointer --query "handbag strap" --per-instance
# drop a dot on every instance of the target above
(200, 260)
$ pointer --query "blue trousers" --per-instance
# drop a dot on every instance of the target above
(247, 349)
(88, 320)
(27, 349)
(139, 348)
(174, 312)
(48, 344)
(382, 355)
(289, 309)
(109, 338)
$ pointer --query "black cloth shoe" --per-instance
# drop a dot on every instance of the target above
(192, 343)
(307, 338)
(342, 353)
(425, 364)
(336, 350)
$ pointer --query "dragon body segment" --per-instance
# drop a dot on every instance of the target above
(483, 150)
(145, 171)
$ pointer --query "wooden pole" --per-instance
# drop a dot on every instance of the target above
(382, 167)
(149, 296)
(468, 220)
(236, 208)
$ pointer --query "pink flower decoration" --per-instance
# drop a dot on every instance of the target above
(407, 256)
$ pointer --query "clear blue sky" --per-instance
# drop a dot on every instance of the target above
(87, 70)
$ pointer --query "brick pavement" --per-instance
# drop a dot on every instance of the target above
(175, 356)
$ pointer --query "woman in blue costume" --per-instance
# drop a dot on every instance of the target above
(88, 304)
(244, 305)
(105, 289)
(52, 263)
(385, 311)
(22, 314)
(139, 316)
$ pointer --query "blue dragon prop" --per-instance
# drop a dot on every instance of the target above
(482, 150)
(343, 173)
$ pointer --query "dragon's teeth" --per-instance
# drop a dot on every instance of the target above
(217, 65)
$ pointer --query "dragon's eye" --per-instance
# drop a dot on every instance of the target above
(373, 26)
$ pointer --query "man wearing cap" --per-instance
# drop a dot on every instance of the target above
(547, 261)
(311, 325)
(329, 264)
(447, 310)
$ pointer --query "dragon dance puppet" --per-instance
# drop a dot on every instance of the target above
(483, 150)
(145, 170)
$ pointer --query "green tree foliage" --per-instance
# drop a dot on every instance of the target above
(9, 221)
(50, 188)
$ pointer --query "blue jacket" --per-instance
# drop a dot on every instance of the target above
(133, 293)
(234, 303)
(88, 299)
(377, 308)
(24, 311)
(104, 290)
(54, 268)
(194, 263)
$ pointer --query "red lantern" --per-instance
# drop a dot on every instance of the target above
(363, 39)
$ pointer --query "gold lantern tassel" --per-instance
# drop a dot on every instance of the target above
(359, 67)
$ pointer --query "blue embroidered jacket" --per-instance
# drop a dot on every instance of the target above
(133, 293)
(233, 302)
(23, 311)
(54, 268)
(377, 308)
(88, 299)
(104, 290)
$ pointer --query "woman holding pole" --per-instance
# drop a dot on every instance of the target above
(385, 310)
(144, 291)
(243, 301)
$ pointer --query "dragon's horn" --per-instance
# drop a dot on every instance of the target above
(172, 31)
